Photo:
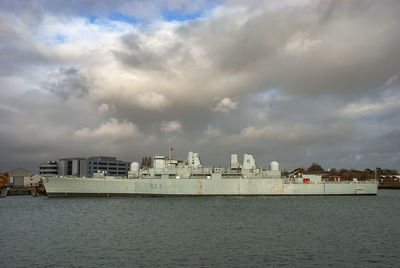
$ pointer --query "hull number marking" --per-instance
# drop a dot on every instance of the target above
(155, 186)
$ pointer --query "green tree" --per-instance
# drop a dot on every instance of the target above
(285, 172)
(333, 172)
(315, 169)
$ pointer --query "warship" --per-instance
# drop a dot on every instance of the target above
(163, 176)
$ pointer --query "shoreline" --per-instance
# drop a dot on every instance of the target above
(391, 186)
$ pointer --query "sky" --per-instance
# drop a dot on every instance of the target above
(292, 81)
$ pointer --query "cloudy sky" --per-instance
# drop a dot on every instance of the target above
(292, 81)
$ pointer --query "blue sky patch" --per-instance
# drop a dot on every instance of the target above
(174, 15)
(124, 18)
(59, 39)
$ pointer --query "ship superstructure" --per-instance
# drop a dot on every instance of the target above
(165, 168)
(171, 177)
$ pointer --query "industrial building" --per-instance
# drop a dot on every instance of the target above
(50, 168)
(18, 176)
(85, 167)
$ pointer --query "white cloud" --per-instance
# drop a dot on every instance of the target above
(151, 101)
(113, 130)
(212, 131)
(171, 126)
(392, 80)
(106, 109)
(276, 131)
(300, 43)
(209, 134)
(360, 109)
(353, 157)
(295, 134)
(368, 107)
(103, 108)
(225, 105)
(9, 108)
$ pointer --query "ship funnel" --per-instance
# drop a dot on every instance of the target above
(194, 160)
(234, 161)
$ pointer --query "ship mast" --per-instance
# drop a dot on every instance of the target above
(171, 149)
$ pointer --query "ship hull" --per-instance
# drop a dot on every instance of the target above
(104, 187)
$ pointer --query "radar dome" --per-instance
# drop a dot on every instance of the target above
(135, 166)
(274, 166)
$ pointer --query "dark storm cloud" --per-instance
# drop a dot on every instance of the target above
(137, 56)
(17, 49)
(67, 82)
(137, 53)
(387, 143)
(304, 51)
(296, 82)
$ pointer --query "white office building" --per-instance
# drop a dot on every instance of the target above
(85, 167)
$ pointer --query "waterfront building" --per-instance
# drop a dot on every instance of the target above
(85, 167)
(389, 178)
(50, 168)
(32, 181)
(71, 167)
(18, 175)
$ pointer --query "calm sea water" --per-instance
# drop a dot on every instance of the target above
(337, 231)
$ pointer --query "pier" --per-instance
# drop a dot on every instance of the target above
(31, 190)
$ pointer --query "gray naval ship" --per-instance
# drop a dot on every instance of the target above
(171, 177)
